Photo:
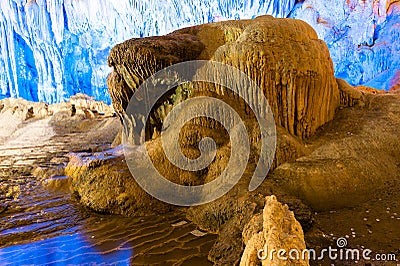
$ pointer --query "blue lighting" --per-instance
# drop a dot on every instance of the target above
(50, 50)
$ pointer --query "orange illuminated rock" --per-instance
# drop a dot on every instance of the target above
(283, 56)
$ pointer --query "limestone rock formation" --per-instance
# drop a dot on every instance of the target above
(349, 96)
(14, 112)
(102, 182)
(291, 66)
(322, 162)
(85, 102)
(231, 214)
(283, 56)
(137, 59)
(356, 154)
(350, 161)
(275, 229)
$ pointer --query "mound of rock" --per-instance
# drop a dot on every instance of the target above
(336, 145)
(102, 182)
(14, 112)
(273, 230)
(283, 56)
(85, 102)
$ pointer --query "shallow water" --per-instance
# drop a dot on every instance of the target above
(43, 225)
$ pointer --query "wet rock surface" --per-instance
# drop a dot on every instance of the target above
(102, 182)
(41, 222)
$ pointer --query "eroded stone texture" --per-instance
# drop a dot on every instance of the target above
(292, 67)
(275, 229)
(349, 96)
(137, 59)
(355, 155)
(102, 182)
(283, 56)
(234, 217)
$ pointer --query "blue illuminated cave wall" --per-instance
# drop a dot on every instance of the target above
(52, 49)
(363, 37)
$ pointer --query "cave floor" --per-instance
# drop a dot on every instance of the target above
(42, 224)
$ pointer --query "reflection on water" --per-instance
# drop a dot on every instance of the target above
(47, 227)
(68, 249)
(40, 224)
